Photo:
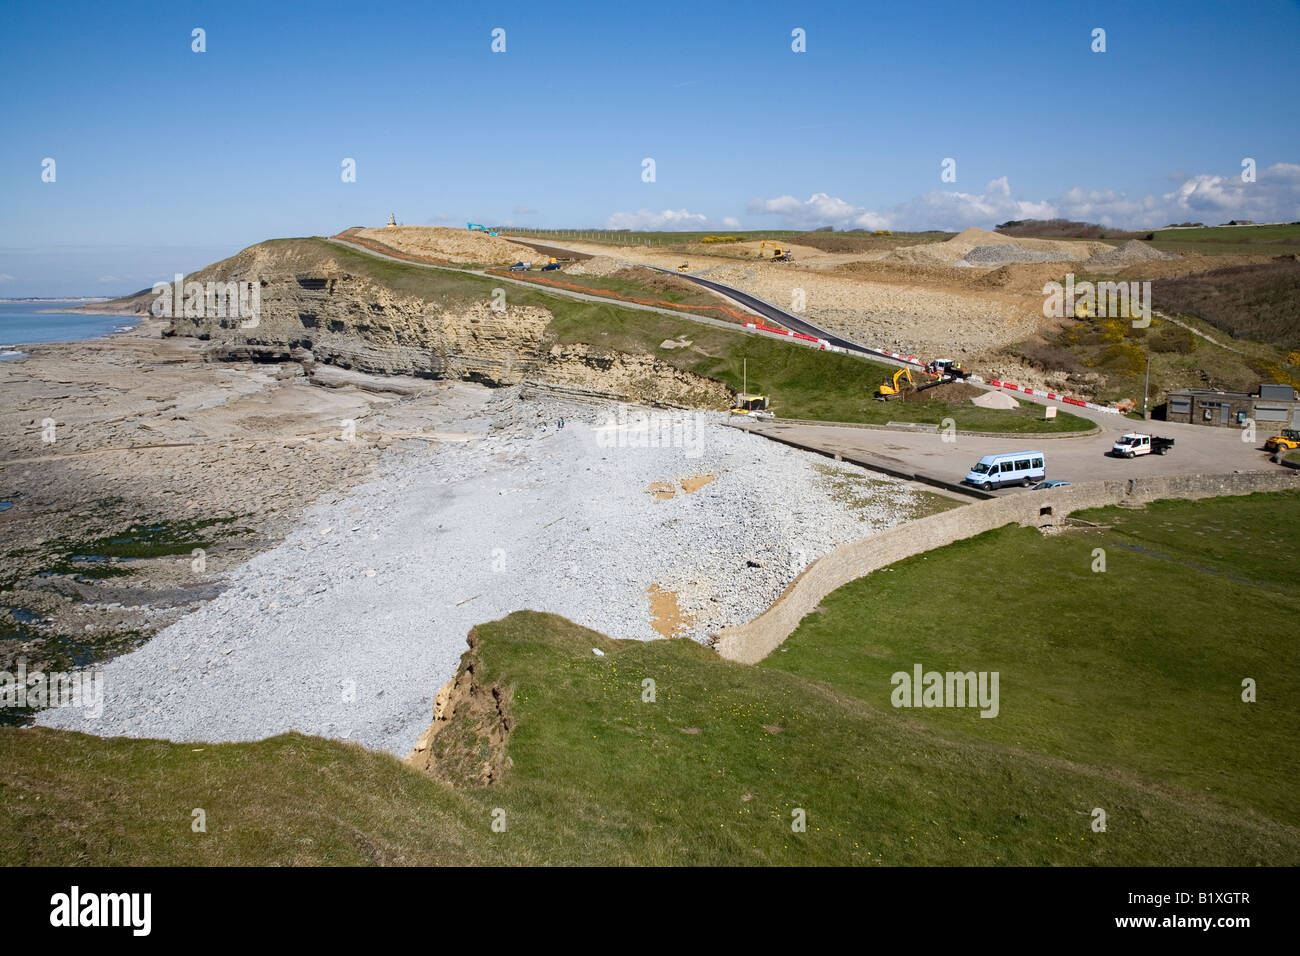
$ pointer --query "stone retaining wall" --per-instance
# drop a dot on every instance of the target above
(750, 643)
(931, 428)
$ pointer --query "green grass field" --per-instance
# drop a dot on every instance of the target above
(803, 382)
(1230, 240)
(1135, 671)
(654, 287)
(1140, 716)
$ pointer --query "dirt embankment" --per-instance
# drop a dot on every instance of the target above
(453, 245)
(466, 743)
(961, 245)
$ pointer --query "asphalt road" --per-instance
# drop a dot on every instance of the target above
(768, 310)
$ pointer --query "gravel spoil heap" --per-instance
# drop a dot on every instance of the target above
(1130, 253)
(1008, 253)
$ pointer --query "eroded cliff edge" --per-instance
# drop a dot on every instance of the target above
(324, 305)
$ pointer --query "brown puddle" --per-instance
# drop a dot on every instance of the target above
(666, 616)
(665, 490)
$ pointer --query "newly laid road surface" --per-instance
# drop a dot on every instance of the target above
(775, 313)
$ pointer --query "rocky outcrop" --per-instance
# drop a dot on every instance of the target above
(309, 306)
(618, 374)
(352, 321)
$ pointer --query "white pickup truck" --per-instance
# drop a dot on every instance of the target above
(1134, 444)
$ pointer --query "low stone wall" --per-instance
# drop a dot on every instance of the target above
(930, 428)
(750, 643)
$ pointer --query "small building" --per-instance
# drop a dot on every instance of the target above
(1271, 405)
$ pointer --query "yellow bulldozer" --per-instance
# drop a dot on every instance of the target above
(778, 254)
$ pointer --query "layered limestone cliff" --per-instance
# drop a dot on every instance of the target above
(309, 307)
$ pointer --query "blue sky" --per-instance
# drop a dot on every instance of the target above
(167, 159)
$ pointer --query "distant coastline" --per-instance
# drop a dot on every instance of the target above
(60, 298)
(24, 323)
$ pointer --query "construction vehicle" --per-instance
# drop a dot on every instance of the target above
(946, 369)
(475, 227)
(392, 220)
(684, 267)
(1289, 439)
(778, 254)
(894, 389)
(755, 406)
(1135, 443)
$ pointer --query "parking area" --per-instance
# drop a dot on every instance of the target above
(1197, 449)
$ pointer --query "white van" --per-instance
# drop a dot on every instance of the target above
(1015, 467)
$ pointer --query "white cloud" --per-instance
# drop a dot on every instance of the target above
(109, 279)
(5, 277)
(1209, 198)
(1274, 196)
(940, 209)
(522, 210)
(818, 210)
(667, 221)
(731, 222)
(1107, 207)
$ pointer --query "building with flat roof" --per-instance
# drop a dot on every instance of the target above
(1272, 405)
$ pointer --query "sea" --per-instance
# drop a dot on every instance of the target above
(29, 322)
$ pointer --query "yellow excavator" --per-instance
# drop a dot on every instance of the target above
(778, 254)
(894, 389)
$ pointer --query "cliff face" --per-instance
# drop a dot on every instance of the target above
(312, 306)
(620, 375)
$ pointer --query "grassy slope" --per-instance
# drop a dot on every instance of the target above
(708, 773)
(803, 382)
(666, 288)
(1136, 670)
(1258, 302)
(1118, 352)
(1230, 240)
(1254, 302)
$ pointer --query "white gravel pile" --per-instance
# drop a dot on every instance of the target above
(1008, 253)
(1131, 253)
(349, 627)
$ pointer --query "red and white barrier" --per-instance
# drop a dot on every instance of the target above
(1052, 396)
(913, 360)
